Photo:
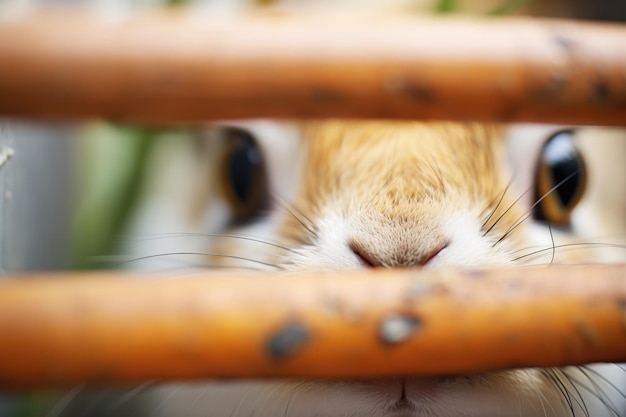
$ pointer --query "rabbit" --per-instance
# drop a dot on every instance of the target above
(332, 195)
(339, 195)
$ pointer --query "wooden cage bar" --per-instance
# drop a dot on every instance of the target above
(175, 67)
(116, 328)
(182, 67)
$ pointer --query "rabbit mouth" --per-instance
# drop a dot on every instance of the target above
(401, 391)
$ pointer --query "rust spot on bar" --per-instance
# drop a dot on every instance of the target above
(397, 328)
(399, 85)
(418, 92)
(601, 92)
(564, 41)
(287, 340)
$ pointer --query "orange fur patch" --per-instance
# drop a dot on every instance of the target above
(402, 171)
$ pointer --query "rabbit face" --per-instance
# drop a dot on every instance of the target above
(350, 195)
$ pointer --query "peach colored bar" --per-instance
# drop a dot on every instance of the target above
(173, 67)
(64, 328)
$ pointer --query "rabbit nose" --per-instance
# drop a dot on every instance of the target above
(369, 259)
(372, 259)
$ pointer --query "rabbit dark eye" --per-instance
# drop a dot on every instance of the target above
(244, 175)
(560, 179)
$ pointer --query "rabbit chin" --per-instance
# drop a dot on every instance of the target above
(513, 393)
(522, 393)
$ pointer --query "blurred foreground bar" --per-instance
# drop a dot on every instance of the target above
(174, 67)
(118, 328)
